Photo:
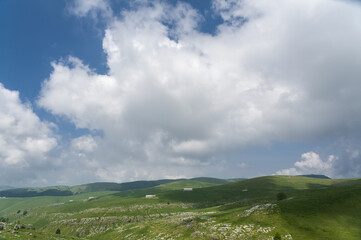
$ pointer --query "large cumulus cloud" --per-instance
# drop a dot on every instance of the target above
(25, 140)
(174, 96)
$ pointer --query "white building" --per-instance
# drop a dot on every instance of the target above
(149, 196)
(188, 189)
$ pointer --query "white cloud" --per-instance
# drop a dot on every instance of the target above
(241, 165)
(191, 146)
(313, 160)
(312, 163)
(25, 141)
(23, 137)
(82, 8)
(84, 143)
(348, 163)
(174, 168)
(81, 95)
(290, 72)
(289, 171)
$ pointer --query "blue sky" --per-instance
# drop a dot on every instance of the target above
(36, 33)
(118, 91)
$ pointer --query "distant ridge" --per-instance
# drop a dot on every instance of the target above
(85, 188)
(198, 182)
(32, 192)
(2, 187)
(314, 176)
(111, 186)
(210, 180)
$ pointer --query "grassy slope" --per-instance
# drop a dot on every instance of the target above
(195, 183)
(318, 208)
(258, 188)
(11, 205)
(331, 213)
(325, 208)
(8, 205)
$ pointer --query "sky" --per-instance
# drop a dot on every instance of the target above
(115, 90)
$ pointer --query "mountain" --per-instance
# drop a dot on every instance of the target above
(314, 176)
(35, 192)
(85, 188)
(3, 187)
(110, 186)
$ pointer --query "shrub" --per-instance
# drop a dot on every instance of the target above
(277, 236)
(57, 231)
(281, 196)
(4, 220)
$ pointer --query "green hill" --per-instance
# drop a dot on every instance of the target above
(331, 213)
(110, 186)
(256, 188)
(85, 188)
(34, 192)
(313, 208)
(194, 183)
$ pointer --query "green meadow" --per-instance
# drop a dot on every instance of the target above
(311, 208)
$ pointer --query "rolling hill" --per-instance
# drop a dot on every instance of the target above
(110, 186)
(314, 208)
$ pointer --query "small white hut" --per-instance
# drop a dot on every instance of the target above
(149, 196)
(187, 189)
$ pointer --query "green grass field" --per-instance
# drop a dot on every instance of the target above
(313, 209)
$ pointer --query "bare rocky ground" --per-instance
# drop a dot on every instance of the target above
(134, 223)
